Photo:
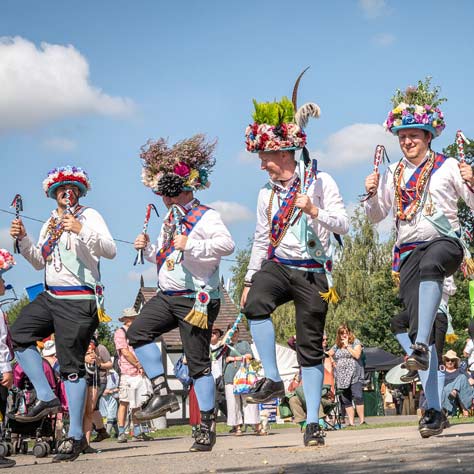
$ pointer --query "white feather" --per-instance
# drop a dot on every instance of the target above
(305, 112)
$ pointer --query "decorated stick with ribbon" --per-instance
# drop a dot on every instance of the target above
(460, 140)
(224, 342)
(379, 157)
(67, 195)
(178, 217)
(139, 258)
(17, 203)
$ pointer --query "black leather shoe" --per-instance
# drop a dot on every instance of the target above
(39, 410)
(446, 423)
(313, 435)
(410, 376)
(264, 390)
(205, 437)
(419, 359)
(431, 424)
(70, 448)
(156, 406)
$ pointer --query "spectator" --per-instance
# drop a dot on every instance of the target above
(109, 402)
(134, 386)
(92, 383)
(216, 368)
(457, 391)
(49, 354)
(237, 352)
(468, 353)
(349, 372)
(297, 401)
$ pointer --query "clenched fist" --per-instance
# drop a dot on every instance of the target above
(466, 173)
(17, 229)
(179, 242)
(141, 241)
(71, 224)
(372, 183)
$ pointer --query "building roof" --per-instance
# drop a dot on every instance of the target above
(227, 314)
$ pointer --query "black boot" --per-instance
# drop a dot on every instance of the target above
(6, 462)
(419, 359)
(410, 376)
(160, 402)
(70, 448)
(205, 437)
(39, 410)
(431, 424)
(264, 390)
(313, 435)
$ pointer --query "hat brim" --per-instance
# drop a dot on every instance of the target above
(53, 188)
(123, 318)
(421, 126)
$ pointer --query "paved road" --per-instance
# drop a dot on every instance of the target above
(391, 450)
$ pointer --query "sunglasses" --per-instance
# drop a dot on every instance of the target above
(450, 360)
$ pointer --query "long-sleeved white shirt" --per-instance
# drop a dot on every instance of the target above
(332, 217)
(5, 365)
(207, 243)
(445, 186)
(93, 242)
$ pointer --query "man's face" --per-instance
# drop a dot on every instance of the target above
(272, 162)
(127, 322)
(182, 199)
(2, 286)
(414, 142)
(214, 337)
(73, 195)
(235, 337)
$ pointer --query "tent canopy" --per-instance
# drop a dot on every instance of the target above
(378, 359)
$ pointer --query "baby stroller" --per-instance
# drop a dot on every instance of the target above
(15, 435)
(331, 408)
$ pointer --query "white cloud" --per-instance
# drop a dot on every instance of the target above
(5, 239)
(232, 211)
(60, 144)
(384, 39)
(149, 275)
(47, 83)
(247, 157)
(356, 144)
(373, 8)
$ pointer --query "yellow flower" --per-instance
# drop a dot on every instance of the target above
(434, 123)
(397, 110)
(194, 174)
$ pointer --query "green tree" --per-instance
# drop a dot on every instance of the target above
(14, 309)
(106, 336)
(238, 272)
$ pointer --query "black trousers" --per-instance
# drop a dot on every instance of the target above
(275, 284)
(72, 321)
(161, 314)
(434, 260)
(401, 323)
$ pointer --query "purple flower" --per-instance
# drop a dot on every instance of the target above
(181, 169)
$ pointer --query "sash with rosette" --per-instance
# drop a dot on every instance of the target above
(54, 235)
(190, 219)
(283, 217)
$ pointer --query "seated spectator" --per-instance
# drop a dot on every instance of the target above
(457, 391)
(109, 403)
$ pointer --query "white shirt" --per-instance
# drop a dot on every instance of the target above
(207, 242)
(92, 242)
(332, 217)
(469, 349)
(5, 365)
(445, 186)
(216, 364)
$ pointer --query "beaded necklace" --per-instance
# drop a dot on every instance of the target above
(408, 201)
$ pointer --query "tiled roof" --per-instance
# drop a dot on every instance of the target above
(227, 314)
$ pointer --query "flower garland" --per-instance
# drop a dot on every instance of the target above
(265, 137)
(66, 175)
(419, 189)
(6, 261)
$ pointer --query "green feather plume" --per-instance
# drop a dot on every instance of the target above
(274, 113)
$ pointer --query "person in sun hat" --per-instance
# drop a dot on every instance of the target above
(297, 210)
(192, 241)
(6, 263)
(422, 192)
(69, 249)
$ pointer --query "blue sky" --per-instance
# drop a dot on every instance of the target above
(89, 82)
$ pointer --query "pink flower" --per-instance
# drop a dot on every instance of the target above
(181, 169)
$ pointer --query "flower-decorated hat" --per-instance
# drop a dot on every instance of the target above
(185, 166)
(279, 126)
(6, 261)
(66, 175)
(417, 107)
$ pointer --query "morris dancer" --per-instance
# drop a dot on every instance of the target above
(191, 243)
(71, 305)
(291, 254)
(422, 189)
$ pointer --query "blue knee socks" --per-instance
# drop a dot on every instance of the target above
(404, 341)
(149, 356)
(429, 380)
(76, 398)
(263, 334)
(441, 378)
(31, 362)
(312, 386)
(430, 293)
(204, 387)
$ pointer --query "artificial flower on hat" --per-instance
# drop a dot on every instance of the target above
(279, 126)
(185, 166)
(417, 107)
(6, 261)
(66, 175)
